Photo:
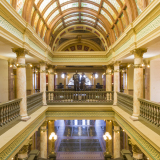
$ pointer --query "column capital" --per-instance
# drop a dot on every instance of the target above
(115, 123)
(43, 63)
(117, 63)
(21, 52)
(138, 53)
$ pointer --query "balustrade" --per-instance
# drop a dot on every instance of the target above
(150, 112)
(9, 111)
(125, 101)
(34, 101)
(79, 97)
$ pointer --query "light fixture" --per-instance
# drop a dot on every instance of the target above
(128, 65)
(96, 75)
(11, 66)
(53, 138)
(17, 64)
(143, 65)
(63, 75)
(31, 65)
(107, 137)
(148, 66)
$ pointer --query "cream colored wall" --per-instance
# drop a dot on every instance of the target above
(3, 80)
(155, 80)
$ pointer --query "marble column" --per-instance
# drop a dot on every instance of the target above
(125, 81)
(109, 78)
(21, 81)
(43, 81)
(125, 141)
(51, 79)
(43, 141)
(11, 94)
(94, 81)
(50, 130)
(29, 73)
(116, 140)
(65, 80)
(138, 81)
(116, 81)
(147, 81)
(109, 128)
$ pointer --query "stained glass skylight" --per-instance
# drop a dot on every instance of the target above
(44, 4)
(58, 26)
(52, 7)
(116, 5)
(87, 14)
(72, 18)
(87, 18)
(107, 17)
(89, 5)
(109, 9)
(19, 7)
(36, 1)
(70, 5)
(99, 24)
(96, 1)
(52, 16)
(72, 14)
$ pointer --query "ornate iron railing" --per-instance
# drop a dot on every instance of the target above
(79, 97)
(150, 112)
(85, 89)
(9, 111)
(125, 101)
(34, 101)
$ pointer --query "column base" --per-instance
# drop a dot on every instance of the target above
(134, 118)
(45, 104)
(26, 118)
(114, 104)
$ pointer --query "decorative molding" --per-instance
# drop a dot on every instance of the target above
(153, 152)
(21, 65)
(138, 66)
(79, 114)
(138, 53)
(10, 149)
(20, 52)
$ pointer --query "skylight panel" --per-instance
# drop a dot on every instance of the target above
(19, 6)
(87, 22)
(91, 6)
(107, 17)
(72, 18)
(87, 18)
(40, 27)
(87, 14)
(72, 22)
(96, 1)
(116, 5)
(76, 13)
(52, 16)
(44, 4)
(36, 1)
(63, 1)
(99, 24)
(58, 26)
(109, 9)
(122, 1)
(52, 7)
(70, 5)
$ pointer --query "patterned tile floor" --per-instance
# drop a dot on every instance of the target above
(80, 139)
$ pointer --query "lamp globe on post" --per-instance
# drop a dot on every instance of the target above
(107, 137)
(53, 138)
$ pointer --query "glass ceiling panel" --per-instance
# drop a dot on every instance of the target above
(83, 14)
(52, 16)
(96, 1)
(44, 4)
(72, 18)
(52, 7)
(72, 14)
(58, 26)
(91, 6)
(87, 18)
(116, 5)
(87, 22)
(63, 1)
(36, 1)
(72, 22)
(122, 1)
(101, 26)
(70, 5)
(109, 9)
(107, 17)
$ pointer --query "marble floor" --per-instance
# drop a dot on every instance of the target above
(80, 139)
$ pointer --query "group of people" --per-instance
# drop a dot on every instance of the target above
(77, 79)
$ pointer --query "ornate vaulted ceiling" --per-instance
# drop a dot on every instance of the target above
(50, 17)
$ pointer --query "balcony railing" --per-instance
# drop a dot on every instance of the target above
(9, 111)
(150, 112)
(79, 97)
(125, 101)
(34, 101)
(85, 89)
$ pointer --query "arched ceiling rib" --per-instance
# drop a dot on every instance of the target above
(108, 16)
